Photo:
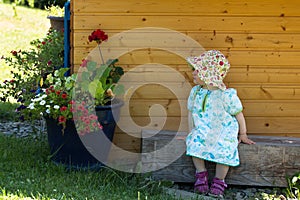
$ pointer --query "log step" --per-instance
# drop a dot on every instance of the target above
(267, 163)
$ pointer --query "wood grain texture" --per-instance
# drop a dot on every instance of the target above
(260, 38)
(193, 7)
(188, 22)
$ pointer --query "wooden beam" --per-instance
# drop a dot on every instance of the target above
(267, 163)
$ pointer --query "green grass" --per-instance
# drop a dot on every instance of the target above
(27, 172)
(7, 111)
(18, 31)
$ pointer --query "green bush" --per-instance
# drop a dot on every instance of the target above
(37, 3)
(8, 111)
(46, 3)
(31, 67)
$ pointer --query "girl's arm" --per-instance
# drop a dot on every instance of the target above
(242, 129)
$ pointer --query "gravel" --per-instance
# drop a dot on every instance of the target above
(235, 192)
(22, 129)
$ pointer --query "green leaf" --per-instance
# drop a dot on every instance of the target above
(93, 87)
(104, 75)
(85, 86)
(111, 61)
(62, 71)
(91, 66)
(85, 76)
(101, 71)
(119, 89)
(99, 93)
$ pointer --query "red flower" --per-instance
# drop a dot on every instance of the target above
(43, 43)
(221, 63)
(87, 129)
(64, 96)
(49, 62)
(98, 36)
(14, 53)
(93, 117)
(95, 124)
(61, 119)
(81, 107)
(58, 92)
(63, 108)
(84, 63)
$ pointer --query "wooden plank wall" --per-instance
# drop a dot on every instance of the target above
(261, 39)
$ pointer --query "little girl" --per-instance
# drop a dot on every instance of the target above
(215, 119)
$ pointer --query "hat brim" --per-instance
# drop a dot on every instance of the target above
(196, 66)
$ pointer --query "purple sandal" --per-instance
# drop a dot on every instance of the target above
(201, 184)
(217, 188)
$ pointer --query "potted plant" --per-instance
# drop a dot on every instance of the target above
(74, 107)
(55, 103)
(56, 17)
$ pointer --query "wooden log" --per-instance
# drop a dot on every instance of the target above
(267, 163)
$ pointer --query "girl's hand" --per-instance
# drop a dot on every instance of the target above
(244, 138)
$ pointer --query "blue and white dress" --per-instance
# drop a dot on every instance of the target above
(215, 131)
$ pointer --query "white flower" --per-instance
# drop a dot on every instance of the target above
(37, 99)
(31, 106)
(44, 96)
(56, 107)
(56, 73)
(58, 83)
(48, 111)
(43, 102)
(50, 78)
(47, 106)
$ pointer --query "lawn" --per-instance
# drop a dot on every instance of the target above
(18, 31)
(27, 173)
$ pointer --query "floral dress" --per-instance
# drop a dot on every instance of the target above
(215, 130)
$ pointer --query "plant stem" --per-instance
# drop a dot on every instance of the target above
(101, 54)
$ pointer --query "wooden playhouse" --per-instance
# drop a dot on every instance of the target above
(261, 39)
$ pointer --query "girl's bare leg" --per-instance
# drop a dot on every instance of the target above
(221, 171)
(199, 164)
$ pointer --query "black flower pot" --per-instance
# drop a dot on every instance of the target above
(69, 149)
(108, 115)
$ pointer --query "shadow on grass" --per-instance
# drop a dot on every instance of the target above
(27, 172)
